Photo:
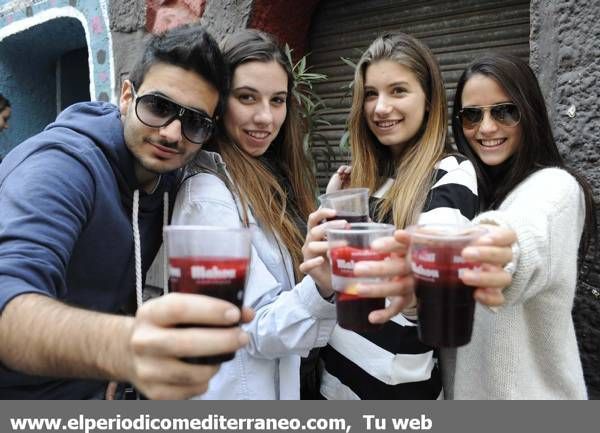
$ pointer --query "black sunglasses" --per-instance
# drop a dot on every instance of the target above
(507, 114)
(158, 111)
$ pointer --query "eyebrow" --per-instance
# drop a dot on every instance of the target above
(396, 83)
(252, 89)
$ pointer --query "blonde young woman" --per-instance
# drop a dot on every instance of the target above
(397, 127)
(261, 178)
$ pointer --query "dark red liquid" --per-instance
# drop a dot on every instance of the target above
(350, 217)
(445, 305)
(222, 278)
(353, 311)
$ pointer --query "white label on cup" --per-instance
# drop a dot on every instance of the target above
(428, 257)
(344, 264)
(425, 272)
(174, 272)
(458, 259)
(214, 273)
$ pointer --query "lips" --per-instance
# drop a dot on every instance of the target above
(258, 135)
(491, 143)
(386, 124)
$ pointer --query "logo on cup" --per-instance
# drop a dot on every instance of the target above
(213, 273)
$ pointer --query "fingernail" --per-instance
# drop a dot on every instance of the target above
(470, 253)
(243, 338)
(377, 243)
(374, 318)
(232, 315)
(486, 239)
(472, 276)
(360, 289)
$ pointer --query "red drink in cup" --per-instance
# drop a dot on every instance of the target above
(445, 305)
(350, 217)
(221, 277)
(350, 204)
(347, 247)
(209, 261)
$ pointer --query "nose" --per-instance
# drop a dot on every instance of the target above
(171, 132)
(382, 108)
(263, 114)
(488, 124)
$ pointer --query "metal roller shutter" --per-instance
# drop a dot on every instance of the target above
(457, 31)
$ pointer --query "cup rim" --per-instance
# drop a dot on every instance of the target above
(342, 192)
(373, 228)
(465, 232)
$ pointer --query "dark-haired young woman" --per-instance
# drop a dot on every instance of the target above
(526, 349)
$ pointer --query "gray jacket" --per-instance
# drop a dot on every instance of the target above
(290, 318)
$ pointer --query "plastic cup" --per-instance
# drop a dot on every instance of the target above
(347, 246)
(350, 204)
(445, 305)
(211, 261)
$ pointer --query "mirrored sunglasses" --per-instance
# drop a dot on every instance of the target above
(506, 114)
(158, 111)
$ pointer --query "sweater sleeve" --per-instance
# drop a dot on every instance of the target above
(44, 203)
(547, 212)
(286, 321)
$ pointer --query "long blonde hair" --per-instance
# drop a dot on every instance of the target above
(372, 162)
(256, 185)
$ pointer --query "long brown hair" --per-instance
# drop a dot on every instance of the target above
(372, 162)
(257, 186)
(538, 147)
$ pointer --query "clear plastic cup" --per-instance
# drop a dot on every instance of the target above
(445, 305)
(350, 204)
(347, 246)
(211, 261)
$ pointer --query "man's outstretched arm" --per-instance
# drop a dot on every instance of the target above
(43, 336)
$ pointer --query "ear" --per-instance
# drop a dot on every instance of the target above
(126, 98)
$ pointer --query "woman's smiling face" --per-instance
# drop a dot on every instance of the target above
(394, 104)
(491, 140)
(256, 108)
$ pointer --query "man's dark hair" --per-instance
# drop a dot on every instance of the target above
(3, 102)
(189, 47)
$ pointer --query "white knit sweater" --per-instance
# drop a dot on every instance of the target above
(527, 349)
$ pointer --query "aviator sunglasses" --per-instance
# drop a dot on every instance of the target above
(505, 113)
(158, 111)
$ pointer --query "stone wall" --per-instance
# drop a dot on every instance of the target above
(222, 17)
(127, 24)
(565, 53)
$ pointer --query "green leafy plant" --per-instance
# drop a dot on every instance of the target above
(312, 107)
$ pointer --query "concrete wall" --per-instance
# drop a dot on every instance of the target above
(565, 53)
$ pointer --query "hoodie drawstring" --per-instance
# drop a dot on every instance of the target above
(164, 244)
(137, 248)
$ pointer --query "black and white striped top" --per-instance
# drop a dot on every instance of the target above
(392, 363)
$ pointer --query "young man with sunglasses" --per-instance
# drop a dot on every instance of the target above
(81, 212)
